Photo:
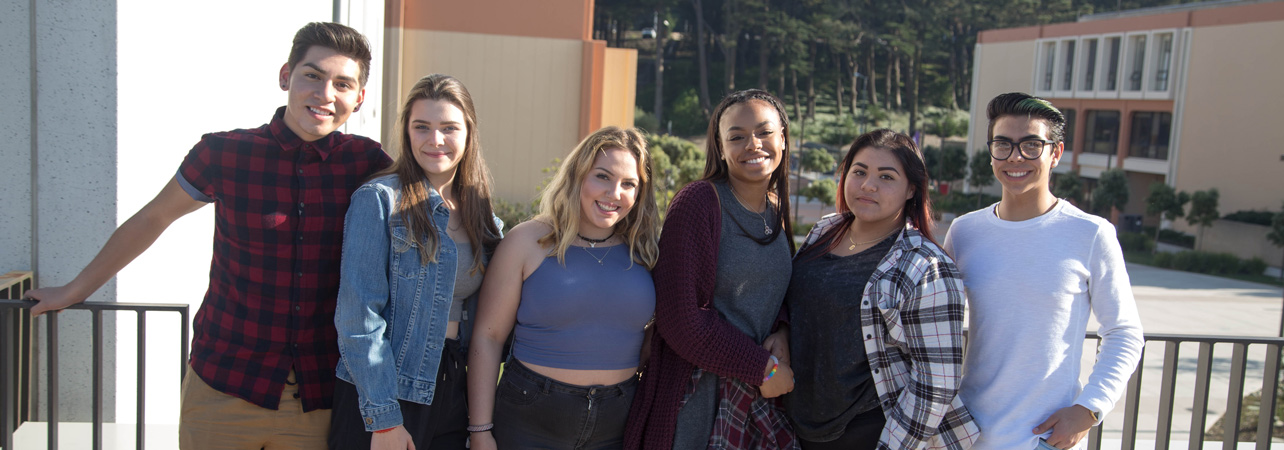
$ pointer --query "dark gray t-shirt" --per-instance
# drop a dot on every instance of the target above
(749, 289)
(832, 379)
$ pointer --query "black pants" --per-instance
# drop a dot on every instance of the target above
(534, 411)
(439, 426)
(861, 433)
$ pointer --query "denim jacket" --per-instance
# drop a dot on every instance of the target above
(392, 310)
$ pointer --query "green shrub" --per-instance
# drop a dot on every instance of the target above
(1163, 260)
(1253, 217)
(645, 120)
(687, 117)
(1177, 238)
(1209, 263)
(1254, 266)
(1135, 242)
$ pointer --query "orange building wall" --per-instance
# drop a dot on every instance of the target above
(539, 83)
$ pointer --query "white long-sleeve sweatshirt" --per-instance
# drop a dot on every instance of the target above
(1031, 286)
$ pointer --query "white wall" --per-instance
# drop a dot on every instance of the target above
(124, 89)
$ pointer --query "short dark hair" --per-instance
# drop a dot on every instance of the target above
(338, 37)
(1022, 104)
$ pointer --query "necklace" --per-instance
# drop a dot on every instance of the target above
(593, 242)
(766, 229)
(603, 258)
(1054, 205)
(856, 244)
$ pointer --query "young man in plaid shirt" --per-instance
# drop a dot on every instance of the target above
(264, 349)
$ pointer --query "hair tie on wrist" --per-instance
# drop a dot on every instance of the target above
(481, 428)
(385, 431)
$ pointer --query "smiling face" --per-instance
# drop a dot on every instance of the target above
(438, 136)
(875, 188)
(752, 141)
(1020, 176)
(608, 192)
(323, 92)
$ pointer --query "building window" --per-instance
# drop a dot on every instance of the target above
(1089, 64)
(1067, 71)
(1102, 132)
(1150, 133)
(1163, 61)
(1112, 63)
(1049, 60)
(1136, 61)
(1069, 136)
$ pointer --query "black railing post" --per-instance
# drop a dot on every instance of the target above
(142, 377)
(1234, 396)
(1132, 402)
(8, 405)
(1270, 388)
(51, 322)
(1164, 427)
(1199, 410)
(97, 381)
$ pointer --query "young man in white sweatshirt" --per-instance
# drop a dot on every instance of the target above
(1035, 267)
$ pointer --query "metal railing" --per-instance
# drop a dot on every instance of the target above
(17, 359)
(1129, 406)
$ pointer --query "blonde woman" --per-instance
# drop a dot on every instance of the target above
(576, 282)
(415, 245)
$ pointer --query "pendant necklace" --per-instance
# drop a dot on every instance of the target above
(766, 229)
(593, 244)
(856, 244)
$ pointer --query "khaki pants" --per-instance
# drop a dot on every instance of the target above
(213, 420)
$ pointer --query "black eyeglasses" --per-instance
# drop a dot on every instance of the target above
(1001, 149)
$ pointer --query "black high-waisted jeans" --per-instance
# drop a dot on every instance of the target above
(534, 411)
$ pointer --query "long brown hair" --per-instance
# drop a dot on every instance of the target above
(471, 185)
(715, 169)
(560, 201)
(918, 210)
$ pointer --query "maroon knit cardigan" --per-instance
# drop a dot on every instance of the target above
(689, 332)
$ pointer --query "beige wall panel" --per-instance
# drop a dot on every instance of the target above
(527, 93)
(1000, 68)
(1230, 139)
(619, 87)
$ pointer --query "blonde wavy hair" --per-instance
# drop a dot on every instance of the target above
(560, 206)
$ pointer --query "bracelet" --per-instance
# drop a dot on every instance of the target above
(481, 428)
(385, 431)
(775, 364)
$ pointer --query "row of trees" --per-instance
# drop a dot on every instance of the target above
(849, 54)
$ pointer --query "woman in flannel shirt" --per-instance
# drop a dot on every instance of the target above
(876, 313)
(416, 241)
(574, 287)
(719, 355)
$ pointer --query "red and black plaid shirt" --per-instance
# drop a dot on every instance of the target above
(278, 234)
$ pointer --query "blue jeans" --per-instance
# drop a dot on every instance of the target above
(534, 411)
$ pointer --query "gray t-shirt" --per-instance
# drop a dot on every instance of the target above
(750, 287)
(832, 377)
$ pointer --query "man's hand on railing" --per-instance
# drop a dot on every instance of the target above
(53, 298)
(1069, 425)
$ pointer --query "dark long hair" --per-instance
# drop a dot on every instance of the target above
(918, 210)
(471, 184)
(715, 169)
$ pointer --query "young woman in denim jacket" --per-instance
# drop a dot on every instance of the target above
(876, 311)
(416, 242)
(576, 282)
